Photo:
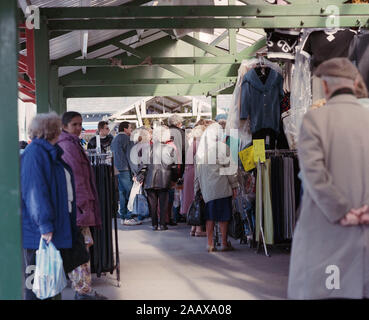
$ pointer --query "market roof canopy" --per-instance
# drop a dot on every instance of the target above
(86, 34)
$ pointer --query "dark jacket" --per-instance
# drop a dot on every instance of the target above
(104, 142)
(261, 102)
(44, 196)
(88, 208)
(178, 136)
(158, 173)
(121, 147)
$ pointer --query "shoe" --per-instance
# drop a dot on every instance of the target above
(228, 247)
(89, 296)
(131, 222)
(200, 234)
(211, 248)
(162, 228)
(154, 228)
(192, 233)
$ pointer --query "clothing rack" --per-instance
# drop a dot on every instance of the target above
(260, 190)
(100, 256)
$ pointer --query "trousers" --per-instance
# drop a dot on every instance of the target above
(124, 185)
(155, 197)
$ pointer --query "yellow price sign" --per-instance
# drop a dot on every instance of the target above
(247, 158)
(259, 150)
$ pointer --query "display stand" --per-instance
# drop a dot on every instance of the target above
(103, 252)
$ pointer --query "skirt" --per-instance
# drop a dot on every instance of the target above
(219, 209)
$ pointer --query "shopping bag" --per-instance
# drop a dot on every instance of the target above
(49, 278)
(134, 191)
(235, 225)
(196, 212)
(140, 205)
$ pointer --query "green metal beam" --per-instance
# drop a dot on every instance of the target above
(130, 61)
(210, 23)
(41, 38)
(132, 3)
(142, 55)
(203, 46)
(314, 8)
(135, 81)
(54, 89)
(11, 263)
(139, 90)
(248, 52)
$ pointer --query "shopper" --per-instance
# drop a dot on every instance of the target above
(88, 210)
(105, 138)
(139, 154)
(216, 184)
(46, 211)
(178, 138)
(158, 175)
(121, 146)
(189, 177)
(329, 257)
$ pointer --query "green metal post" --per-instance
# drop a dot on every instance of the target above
(42, 67)
(11, 274)
(213, 107)
(62, 100)
(54, 89)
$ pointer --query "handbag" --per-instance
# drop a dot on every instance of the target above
(196, 212)
(235, 225)
(77, 255)
(49, 278)
(140, 205)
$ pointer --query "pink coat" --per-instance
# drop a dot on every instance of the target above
(88, 209)
(188, 194)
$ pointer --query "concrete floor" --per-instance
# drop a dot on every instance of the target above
(168, 265)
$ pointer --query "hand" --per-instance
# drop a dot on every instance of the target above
(234, 193)
(47, 237)
(356, 217)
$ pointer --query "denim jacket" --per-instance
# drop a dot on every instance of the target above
(261, 102)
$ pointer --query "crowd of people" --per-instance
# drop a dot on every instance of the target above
(59, 195)
(60, 203)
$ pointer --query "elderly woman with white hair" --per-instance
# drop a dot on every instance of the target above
(216, 177)
(158, 175)
(47, 192)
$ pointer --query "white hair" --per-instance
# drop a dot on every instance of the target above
(140, 135)
(45, 126)
(161, 134)
(174, 120)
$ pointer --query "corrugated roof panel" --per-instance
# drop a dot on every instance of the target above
(77, 3)
(71, 42)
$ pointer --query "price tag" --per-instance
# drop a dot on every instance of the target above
(247, 158)
(259, 150)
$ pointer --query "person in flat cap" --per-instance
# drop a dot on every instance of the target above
(330, 256)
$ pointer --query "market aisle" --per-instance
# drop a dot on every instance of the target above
(172, 265)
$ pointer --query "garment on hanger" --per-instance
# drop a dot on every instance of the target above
(264, 211)
(327, 44)
(359, 54)
(282, 43)
(102, 252)
(261, 102)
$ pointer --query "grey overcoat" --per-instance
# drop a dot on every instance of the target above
(327, 259)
